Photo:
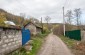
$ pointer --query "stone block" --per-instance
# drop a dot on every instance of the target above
(4, 37)
(0, 49)
(4, 45)
(10, 40)
(19, 38)
(15, 39)
(9, 36)
(1, 42)
(3, 50)
(6, 41)
(9, 44)
(16, 35)
(13, 43)
(7, 50)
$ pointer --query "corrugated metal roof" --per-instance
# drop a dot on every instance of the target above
(9, 23)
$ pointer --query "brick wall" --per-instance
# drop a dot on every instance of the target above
(10, 39)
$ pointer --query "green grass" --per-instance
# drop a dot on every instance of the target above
(37, 42)
(20, 51)
(69, 42)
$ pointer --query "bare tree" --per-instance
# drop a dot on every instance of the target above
(23, 17)
(34, 20)
(69, 16)
(78, 15)
(42, 24)
(47, 19)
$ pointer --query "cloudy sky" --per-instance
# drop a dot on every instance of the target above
(42, 8)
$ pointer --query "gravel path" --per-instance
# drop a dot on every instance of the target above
(54, 46)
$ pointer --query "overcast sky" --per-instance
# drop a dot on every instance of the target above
(42, 8)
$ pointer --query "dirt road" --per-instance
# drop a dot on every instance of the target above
(54, 46)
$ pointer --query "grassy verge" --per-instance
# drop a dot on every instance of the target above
(37, 42)
(77, 47)
(69, 42)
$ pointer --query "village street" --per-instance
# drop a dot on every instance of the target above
(53, 45)
(42, 27)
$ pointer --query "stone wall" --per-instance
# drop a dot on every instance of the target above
(10, 39)
(82, 35)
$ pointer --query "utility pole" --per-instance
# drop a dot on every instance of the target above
(42, 24)
(63, 22)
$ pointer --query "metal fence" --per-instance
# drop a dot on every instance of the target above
(74, 34)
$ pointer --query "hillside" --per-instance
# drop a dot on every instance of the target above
(5, 16)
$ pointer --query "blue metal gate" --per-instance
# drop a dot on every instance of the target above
(25, 36)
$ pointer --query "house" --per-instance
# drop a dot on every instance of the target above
(10, 39)
(33, 27)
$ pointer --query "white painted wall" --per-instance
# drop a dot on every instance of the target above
(32, 29)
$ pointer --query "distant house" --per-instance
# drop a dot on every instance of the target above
(33, 27)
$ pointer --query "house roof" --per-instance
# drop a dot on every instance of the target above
(9, 23)
(11, 27)
(36, 24)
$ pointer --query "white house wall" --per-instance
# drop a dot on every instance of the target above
(32, 28)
